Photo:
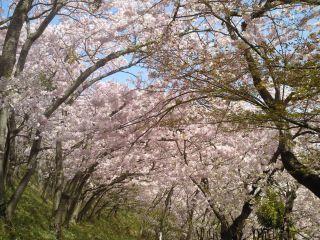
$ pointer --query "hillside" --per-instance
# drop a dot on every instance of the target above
(32, 223)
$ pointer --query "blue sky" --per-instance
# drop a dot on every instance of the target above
(5, 6)
(122, 77)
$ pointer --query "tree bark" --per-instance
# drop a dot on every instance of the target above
(95, 209)
(87, 206)
(161, 233)
(58, 176)
(76, 193)
(190, 222)
(3, 140)
(9, 50)
(11, 156)
(33, 37)
(59, 215)
(235, 230)
(287, 233)
(303, 174)
(32, 165)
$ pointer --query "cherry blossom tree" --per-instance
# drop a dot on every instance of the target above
(56, 62)
(231, 89)
(261, 57)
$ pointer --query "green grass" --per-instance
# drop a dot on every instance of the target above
(32, 223)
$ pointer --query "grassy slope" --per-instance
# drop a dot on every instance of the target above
(32, 223)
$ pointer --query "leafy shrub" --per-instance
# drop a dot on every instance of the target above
(270, 213)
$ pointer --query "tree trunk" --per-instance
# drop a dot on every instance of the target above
(57, 5)
(161, 233)
(76, 191)
(59, 215)
(59, 202)
(98, 211)
(76, 211)
(11, 156)
(88, 205)
(48, 187)
(234, 231)
(303, 174)
(286, 230)
(9, 50)
(190, 224)
(3, 140)
(58, 176)
(62, 206)
(95, 209)
(226, 233)
(32, 165)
